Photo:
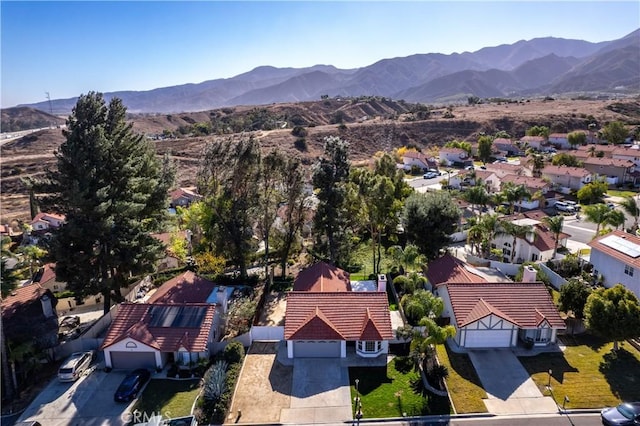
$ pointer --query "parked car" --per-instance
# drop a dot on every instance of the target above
(70, 322)
(611, 205)
(562, 206)
(469, 168)
(573, 204)
(75, 365)
(627, 413)
(429, 175)
(131, 385)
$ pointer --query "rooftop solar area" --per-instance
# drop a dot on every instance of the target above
(177, 316)
(623, 246)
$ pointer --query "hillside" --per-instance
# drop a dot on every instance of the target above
(539, 67)
(25, 118)
(371, 125)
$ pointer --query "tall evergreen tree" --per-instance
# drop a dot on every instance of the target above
(330, 175)
(294, 197)
(113, 191)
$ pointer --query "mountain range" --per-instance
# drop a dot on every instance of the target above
(539, 67)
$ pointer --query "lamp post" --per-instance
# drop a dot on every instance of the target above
(358, 403)
(549, 383)
(566, 399)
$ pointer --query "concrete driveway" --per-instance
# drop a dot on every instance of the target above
(510, 389)
(88, 401)
(320, 392)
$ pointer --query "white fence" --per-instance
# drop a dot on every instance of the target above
(265, 333)
(556, 280)
(506, 268)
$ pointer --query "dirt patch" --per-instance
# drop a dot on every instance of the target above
(264, 387)
(274, 309)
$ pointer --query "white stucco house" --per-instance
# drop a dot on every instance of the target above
(323, 314)
(45, 221)
(566, 178)
(454, 156)
(616, 256)
(500, 315)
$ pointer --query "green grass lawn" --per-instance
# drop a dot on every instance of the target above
(386, 391)
(588, 372)
(621, 193)
(465, 389)
(171, 398)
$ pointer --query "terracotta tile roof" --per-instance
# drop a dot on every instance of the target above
(48, 273)
(322, 277)
(484, 174)
(458, 151)
(21, 296)
(626, 151)
(502, 141)
(415, 154)
(565, 170)
(136, 321)
(165, 237)
(338, 316)
(185, 288)
(596, 244)
(545, 239)
(608, 162)
(607, 149)
(523, 304)
(505, 167)
(189, 193)
(46, 216)
(527, 181)
(451, 269)
(530, 139)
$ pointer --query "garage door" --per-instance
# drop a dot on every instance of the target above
(316, 349)
(487, 339)
(133, 360)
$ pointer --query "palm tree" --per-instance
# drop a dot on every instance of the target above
(555, 224)
(537, 164)
(592, 151)
(477, 196)
(632, 208)
(407, 259)
(514, 230)
(597, 213)
(615, 218)
(510, 195)
(521, 193)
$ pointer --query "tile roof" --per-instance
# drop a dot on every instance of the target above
(608, 162)
(451, 269)
(48, 273)
(461, 152)
(532, 139)
(134, 320)
(527, 181)
(626, 151)
(523, 304)
(565, 170)
(545, 240)
(185, 288)
(596, 244)
(185, 192)
(46, 216)
(322, 277)
(337, 316)
(21, 296)
(415, 154)
(165, 237)
(606, 149)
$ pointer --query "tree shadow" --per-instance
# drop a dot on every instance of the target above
(462, 365)
(550, 361)
(621, 369)
(594, 342)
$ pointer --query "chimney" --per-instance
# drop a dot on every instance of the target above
(529, 274)
(47, 308)
(221, 298)
(382, 283)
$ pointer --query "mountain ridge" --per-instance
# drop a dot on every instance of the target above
(413, 77)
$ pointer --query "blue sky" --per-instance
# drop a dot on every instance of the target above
(69, 48)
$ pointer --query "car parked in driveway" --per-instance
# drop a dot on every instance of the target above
(627, 413)
(429, 175)
(131, 385)
(75, 365)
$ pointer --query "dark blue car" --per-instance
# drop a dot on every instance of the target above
(627, 413)
(131, 385)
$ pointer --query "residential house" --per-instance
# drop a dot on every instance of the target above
(616, 258)
(47, 221)
(560, 140)
(536, 246)
(46, 277)
(29, 315)
(323, 314)
(627, 153)
(503, 169)
(534, 186)
(412, 159)
(183, 197)
(472, 178)
(536, 142)
(592, 150)
(614, 170)
(177, 322)
(507, 147)
(455, 157)
(172, 260)
(449, 268)
(6, 231)
(499, 315)
(567, 178)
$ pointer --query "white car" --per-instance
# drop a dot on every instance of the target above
(75, 365)
(562, 206)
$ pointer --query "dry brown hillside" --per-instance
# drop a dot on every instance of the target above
(371, 126)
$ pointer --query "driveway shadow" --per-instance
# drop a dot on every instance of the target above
(314, 376)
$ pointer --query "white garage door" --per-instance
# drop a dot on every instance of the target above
(487, 339)
(133, 360)
(316, 349)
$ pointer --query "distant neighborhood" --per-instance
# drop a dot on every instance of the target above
(270, 293)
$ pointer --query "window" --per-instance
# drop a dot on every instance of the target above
(534, 257)
(628, 270)
(371, 346)
(506, 252)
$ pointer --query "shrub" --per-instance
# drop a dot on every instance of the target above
(215, 381)
(301, 144)
(299, 131)
(233, 352)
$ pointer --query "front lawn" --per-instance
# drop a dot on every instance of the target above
(621, 193)
(588, 372)
(465, 389)
(387, 392)
(169, 398)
